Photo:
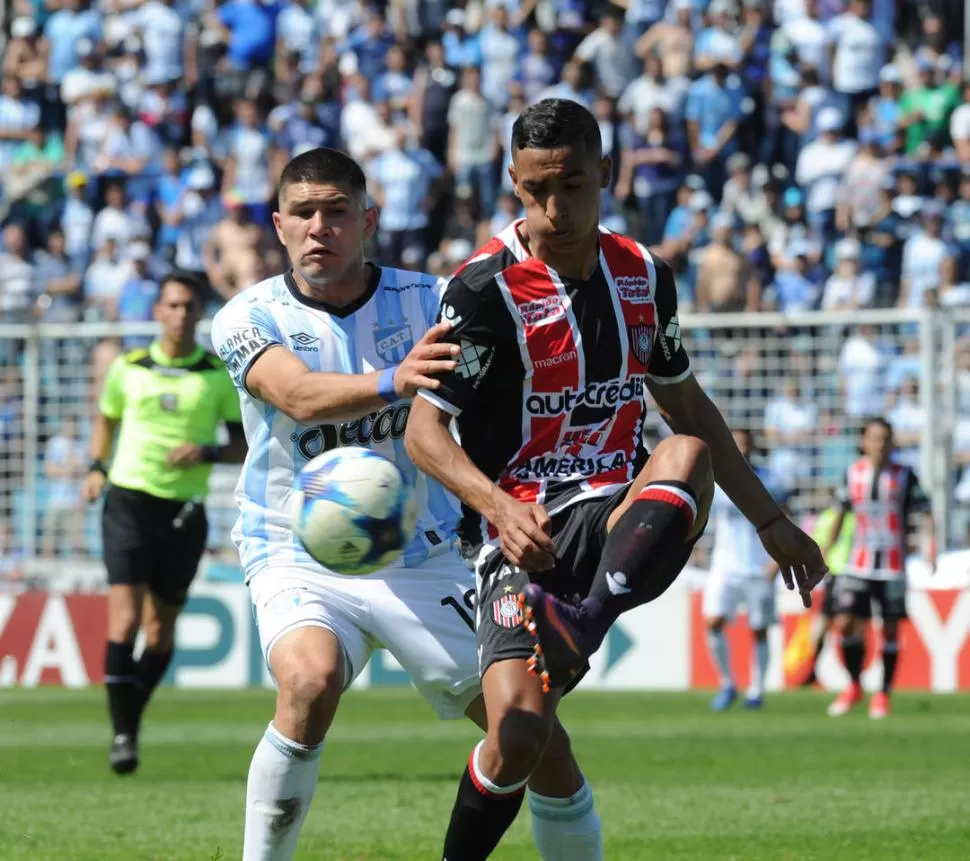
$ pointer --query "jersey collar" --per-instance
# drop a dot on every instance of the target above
(373, 281)
(159, 357)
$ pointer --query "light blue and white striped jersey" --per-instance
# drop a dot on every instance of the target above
(738, 551)
(376, 331)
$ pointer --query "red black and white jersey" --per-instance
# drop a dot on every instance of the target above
(549, 388)
(882, 500)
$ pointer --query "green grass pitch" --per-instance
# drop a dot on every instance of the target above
(672, 780)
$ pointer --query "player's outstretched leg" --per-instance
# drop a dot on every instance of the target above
(307, 663)
(565, 824)
(124, 602)
(650, 537)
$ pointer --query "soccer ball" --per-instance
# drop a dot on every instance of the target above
(354, 511)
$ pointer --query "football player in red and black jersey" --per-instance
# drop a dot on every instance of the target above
(563, 328)
(882, 495)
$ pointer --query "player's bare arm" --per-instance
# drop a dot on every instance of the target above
(688, 410)
(102, 437)
(523, 529)
(282, 379)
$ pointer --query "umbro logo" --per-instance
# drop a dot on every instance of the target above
(616, 583)
(305, 343)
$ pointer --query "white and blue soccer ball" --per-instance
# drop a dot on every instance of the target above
(354, 512)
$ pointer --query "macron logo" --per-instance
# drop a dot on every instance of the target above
(450, 315)
(617, 583)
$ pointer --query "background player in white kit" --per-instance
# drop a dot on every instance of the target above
(742, 572)
(326, 355)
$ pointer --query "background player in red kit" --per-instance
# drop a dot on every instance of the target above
(882, 495)
(562, 326)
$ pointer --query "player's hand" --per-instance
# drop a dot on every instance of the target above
(185, 455)
(93, 485)
(799, 558)
(525, 530)
(426, 358)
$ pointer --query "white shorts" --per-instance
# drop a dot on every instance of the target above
(723, 594)
(423, 616)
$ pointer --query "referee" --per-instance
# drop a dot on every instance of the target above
(166, 402)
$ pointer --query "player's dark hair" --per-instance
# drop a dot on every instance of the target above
(194, 283)
(555, 124)
(876, 420)
(321, 166)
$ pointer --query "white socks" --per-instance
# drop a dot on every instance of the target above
(566, 829)
(282, 780)
(759, 668)
(718, 648)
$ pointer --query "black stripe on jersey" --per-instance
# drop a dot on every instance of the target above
(596, 318)
(373, 281)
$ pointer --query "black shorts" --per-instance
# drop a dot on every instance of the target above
(858, 597)
(143, 546)
(828, 599)
(579, 534)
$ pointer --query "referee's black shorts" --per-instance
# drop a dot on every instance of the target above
(143, 545)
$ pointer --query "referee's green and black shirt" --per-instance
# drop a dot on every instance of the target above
(163, 403)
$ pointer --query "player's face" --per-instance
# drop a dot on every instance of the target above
(178, 311)
(560, 191)
(877, 443)
(323, 228)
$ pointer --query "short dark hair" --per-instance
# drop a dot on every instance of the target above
(196, 284)
(554, 124)
(323, 165)
(877, 420)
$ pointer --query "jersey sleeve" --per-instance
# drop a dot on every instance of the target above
(112, 402)
(669, 362)
(475, 316)
(916, 498)
(241, 333)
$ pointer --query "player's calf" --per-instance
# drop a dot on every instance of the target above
(307, 664)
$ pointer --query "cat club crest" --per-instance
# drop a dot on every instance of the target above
(393, 342)
(641, 342)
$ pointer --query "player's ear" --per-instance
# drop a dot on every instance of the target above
(606, 171)
(515, 181)
(276, 227)
(370, 221)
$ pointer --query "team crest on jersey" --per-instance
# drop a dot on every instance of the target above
(506, 612)
(169, 403)
(641, 342)
(393, 342)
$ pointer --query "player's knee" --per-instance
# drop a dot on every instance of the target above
(123, 624)
(159, 637)
(522, 738)
(309, 690)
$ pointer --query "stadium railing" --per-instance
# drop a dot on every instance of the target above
(803, 384)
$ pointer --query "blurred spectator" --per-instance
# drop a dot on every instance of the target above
(790, 417)
(796, 287)
(604, 50)
(406, 185)
(923, 255)
(672, 40)
(821, 168)
(740, 199)
(58, 282)
(536, 70)
(720, 284)
(118, 220)
(16, 276)
(64, 462)
(960, 127)
(908, 418)
(650, 92)
(138, 293)
(651, 166)
(500, 55)
(861, 368)
(713, 111)
(848, 289)
(471, 142)
(18, 115)
(25, 58)
(885, 116)
(298, 32)
(857, 57)
(235, 249)
(859, 189)
(103, 282)
(77, 219)
(199, 211)
(926, 109)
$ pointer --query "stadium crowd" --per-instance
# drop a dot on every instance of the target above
(789, 155)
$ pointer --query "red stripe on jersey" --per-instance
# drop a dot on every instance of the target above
(493, 246)
(548, 334)
(635, 289)
(659, 494)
